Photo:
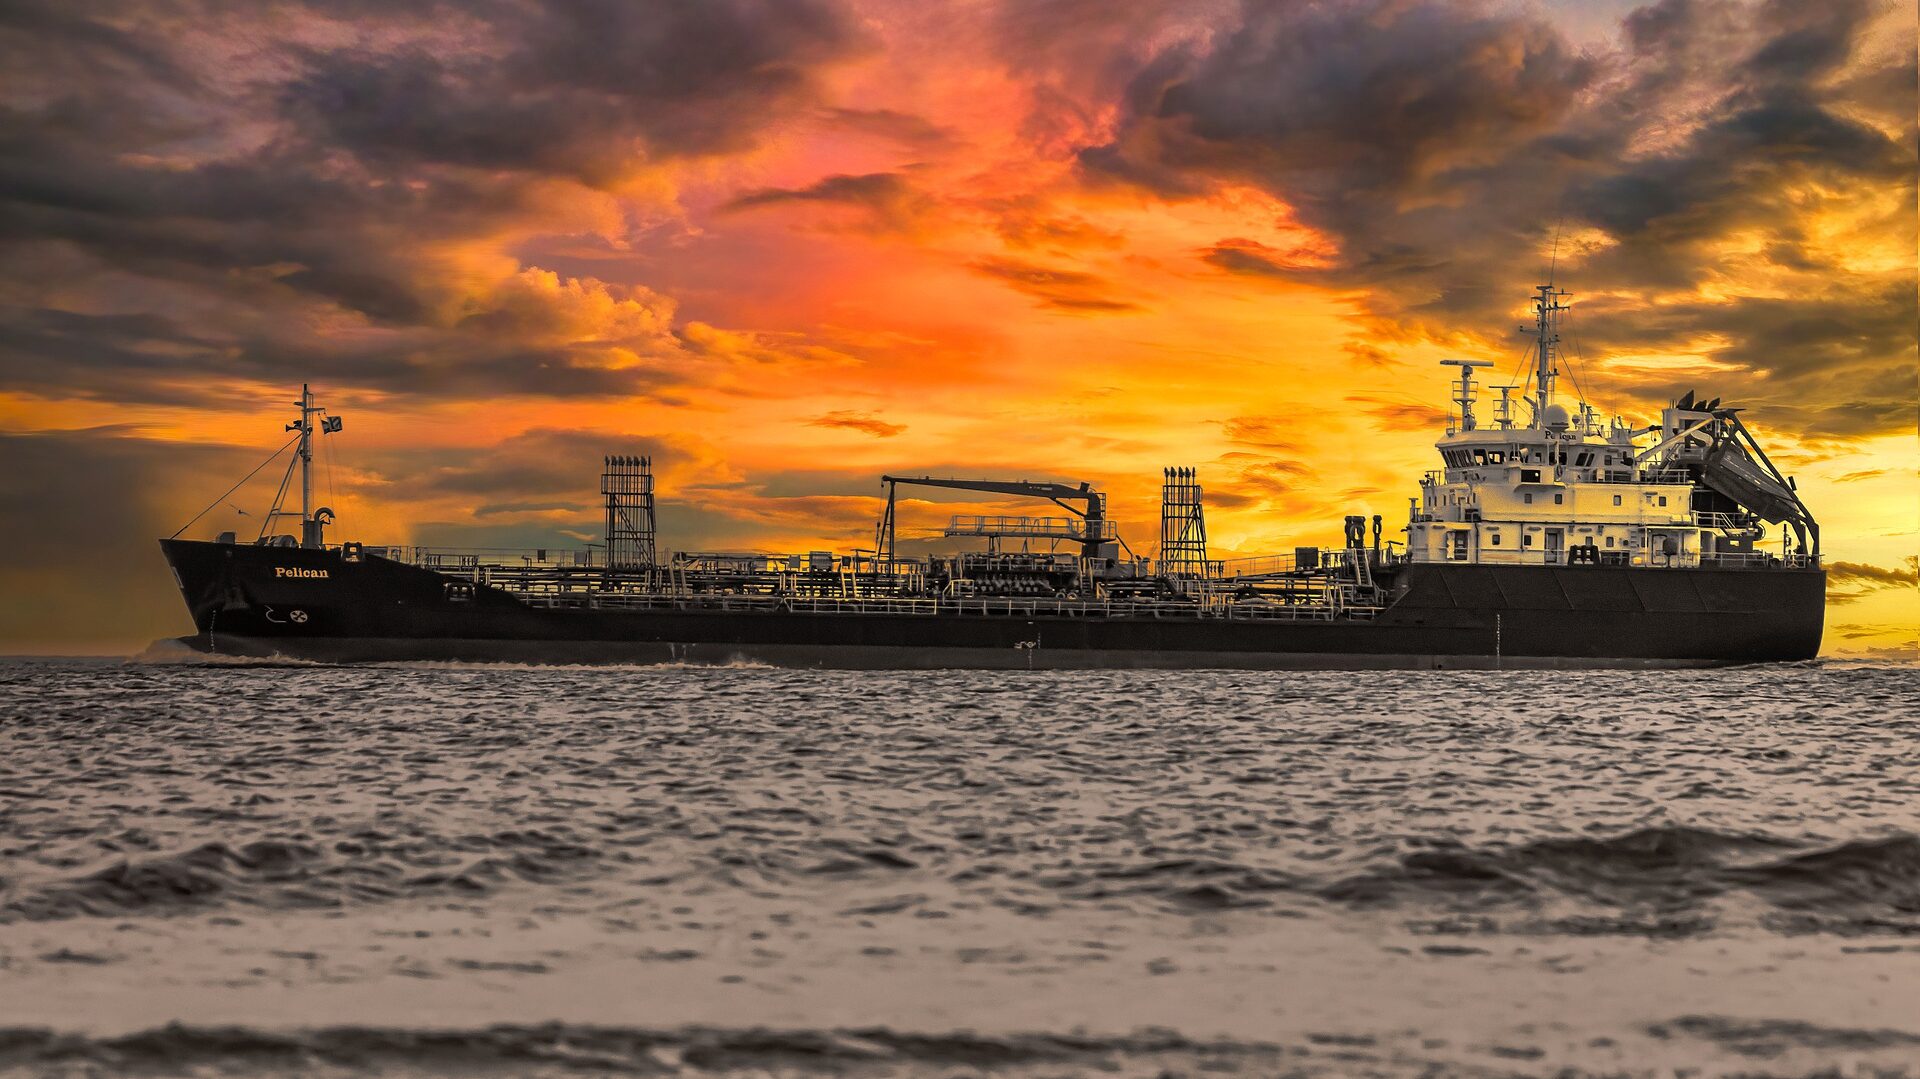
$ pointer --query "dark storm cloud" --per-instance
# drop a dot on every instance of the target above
(1441, 145)
(1367, 99)
(174, 217)
(152, 358)
(583, 87)
(1839, 355)
(1794, 336)
(1736, 171)
(71, 173)
(67, 42)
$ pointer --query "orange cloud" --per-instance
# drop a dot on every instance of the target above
(1066, 290)
(863, 422)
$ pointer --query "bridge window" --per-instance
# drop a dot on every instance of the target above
(1495, 457)
(1584, 460)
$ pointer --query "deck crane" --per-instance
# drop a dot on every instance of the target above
(1095, 531)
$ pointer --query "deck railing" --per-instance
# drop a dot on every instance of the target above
(1759, 560)
(1067, 528)
(1212, 609)
(1668, 476)
(469, 557)
(1728, 522)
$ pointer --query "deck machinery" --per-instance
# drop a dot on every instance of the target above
(1072, 562)
(1546, 540)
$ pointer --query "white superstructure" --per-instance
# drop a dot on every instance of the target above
(1564, 488)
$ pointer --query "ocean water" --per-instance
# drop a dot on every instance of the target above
(215, 869)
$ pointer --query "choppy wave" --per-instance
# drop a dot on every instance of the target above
(1670, 872)
(1665, 880)
(1228, 793)
(573, 1049)
(1670, 877)
(1772, 1037)
(363, 868)
(566, 1048)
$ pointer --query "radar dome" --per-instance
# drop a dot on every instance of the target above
(1557, 418)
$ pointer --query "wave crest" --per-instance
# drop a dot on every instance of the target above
(287, 875)
(1668, 869)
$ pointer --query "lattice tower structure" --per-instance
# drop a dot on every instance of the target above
(1183, 525)
(627, 484)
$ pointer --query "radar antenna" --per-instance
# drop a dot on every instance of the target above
(1465, 397)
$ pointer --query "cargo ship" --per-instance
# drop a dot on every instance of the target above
(1547, 539)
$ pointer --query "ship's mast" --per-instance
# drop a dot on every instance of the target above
(1546, 334)
(306, 465)
(312, 521)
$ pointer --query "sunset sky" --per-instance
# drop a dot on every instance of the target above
(786, 247)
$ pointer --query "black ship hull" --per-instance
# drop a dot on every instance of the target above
(317, 605)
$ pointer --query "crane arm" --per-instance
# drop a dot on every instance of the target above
(1057, 492)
